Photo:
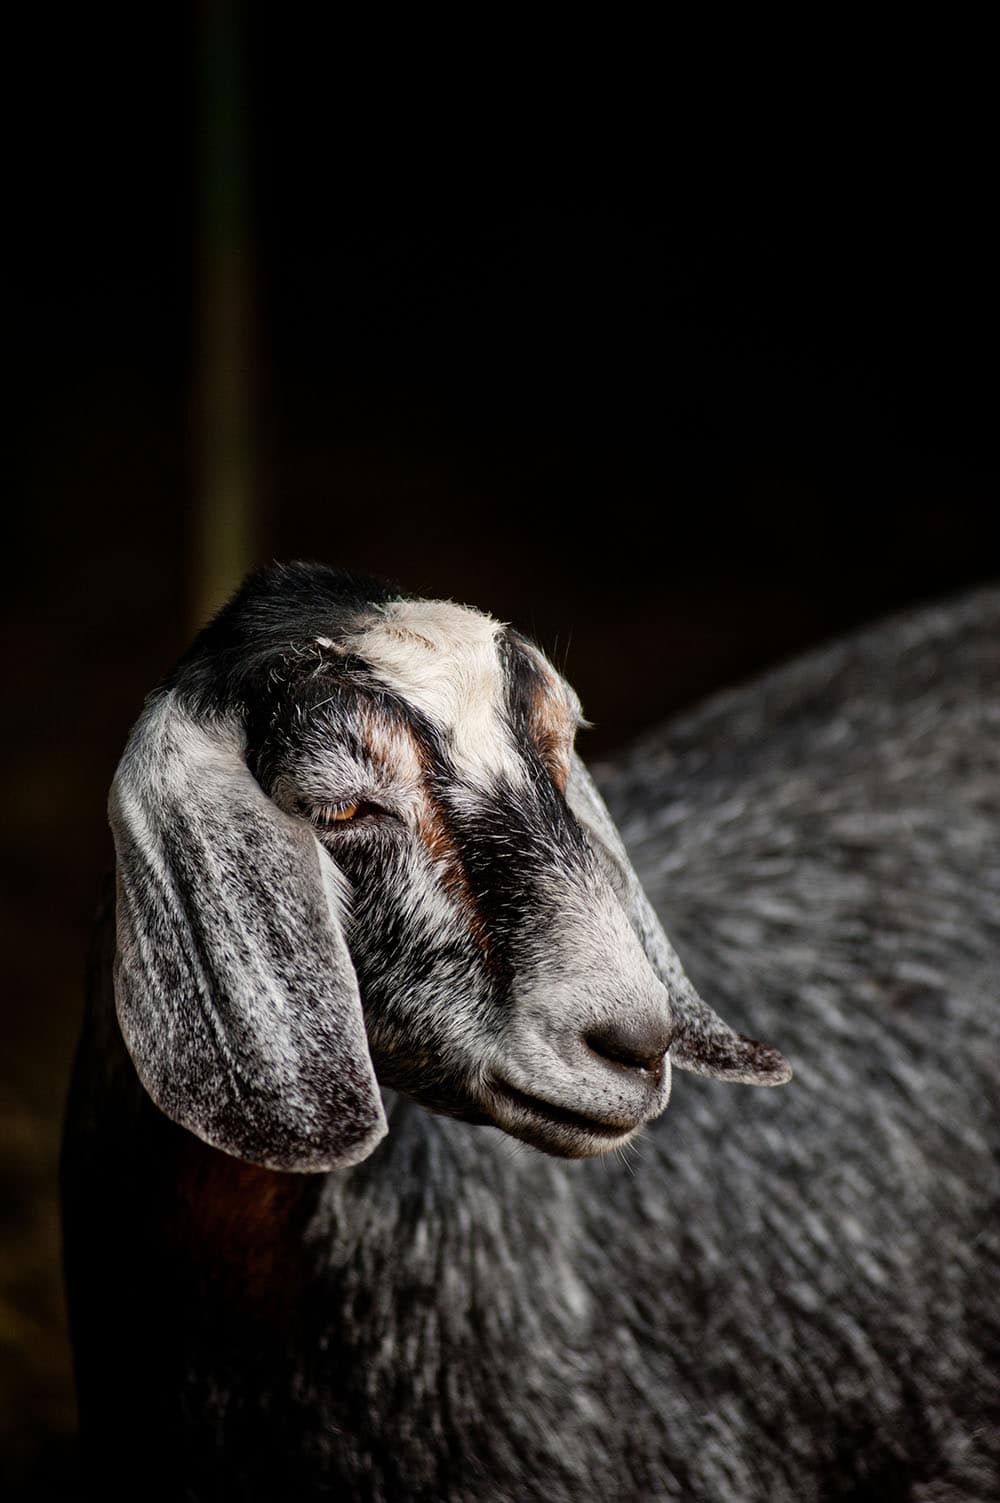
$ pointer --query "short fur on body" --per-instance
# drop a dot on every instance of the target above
(780, 1296)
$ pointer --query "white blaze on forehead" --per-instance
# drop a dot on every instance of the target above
(443, 659)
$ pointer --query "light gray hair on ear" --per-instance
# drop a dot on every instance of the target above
(235, 991)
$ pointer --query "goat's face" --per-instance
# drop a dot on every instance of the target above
(469, 892)
(499, 976)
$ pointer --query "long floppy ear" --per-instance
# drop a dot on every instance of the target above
(702, 1041)
(235, 991)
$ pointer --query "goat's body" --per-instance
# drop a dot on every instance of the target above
(781, 1297)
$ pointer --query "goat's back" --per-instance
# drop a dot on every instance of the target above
(822, 1263)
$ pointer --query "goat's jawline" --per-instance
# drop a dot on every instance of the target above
(540, 1108)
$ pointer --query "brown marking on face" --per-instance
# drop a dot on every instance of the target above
(551, 726)
(544, 708)
(394, 745)
(440, 844)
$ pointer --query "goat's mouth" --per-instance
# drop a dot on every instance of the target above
(556, 1129)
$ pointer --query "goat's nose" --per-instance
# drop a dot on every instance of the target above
(637, 1046)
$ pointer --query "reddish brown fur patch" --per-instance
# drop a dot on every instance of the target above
(550, 726)
(238, 1221)
(439, 843)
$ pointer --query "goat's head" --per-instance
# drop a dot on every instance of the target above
(355, 843)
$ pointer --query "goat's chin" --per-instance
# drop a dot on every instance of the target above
(555, 1129)
(543, 1125)
(563, 1143)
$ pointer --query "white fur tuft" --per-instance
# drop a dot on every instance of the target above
(443, 659)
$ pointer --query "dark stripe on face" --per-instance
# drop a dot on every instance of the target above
(519, 846)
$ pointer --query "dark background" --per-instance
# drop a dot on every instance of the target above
(676, 396)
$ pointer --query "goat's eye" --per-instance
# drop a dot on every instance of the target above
(335, 814)
(339, 816)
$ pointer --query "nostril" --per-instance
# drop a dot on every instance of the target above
(634, 1046)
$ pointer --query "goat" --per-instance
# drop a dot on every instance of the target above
(375, 924)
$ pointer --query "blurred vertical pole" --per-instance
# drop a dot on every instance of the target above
(222, 542)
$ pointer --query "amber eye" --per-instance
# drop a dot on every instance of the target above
(326, 815)
(350, 812)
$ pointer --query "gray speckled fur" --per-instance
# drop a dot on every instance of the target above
(783, 1297)
(824, 849)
